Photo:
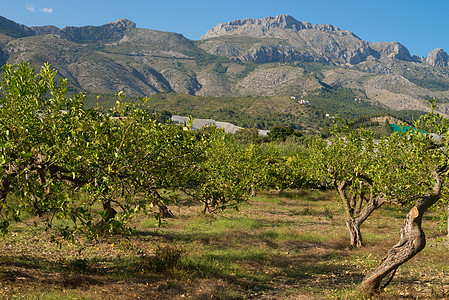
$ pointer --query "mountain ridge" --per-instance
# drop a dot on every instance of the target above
(250, 57)
(339, 46)
(75, 34)
(281, 21)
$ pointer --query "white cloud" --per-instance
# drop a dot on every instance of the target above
(46, 10)
(30, 7)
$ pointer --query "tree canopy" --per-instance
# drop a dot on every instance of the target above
(99, 167)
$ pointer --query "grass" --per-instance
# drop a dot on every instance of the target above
(289, 245)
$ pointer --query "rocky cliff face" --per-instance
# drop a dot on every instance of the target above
(301, 41)
(392, 50)
(438, 58)
(270, 26)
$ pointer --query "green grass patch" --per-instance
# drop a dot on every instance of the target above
(287, 245)
(223, 225)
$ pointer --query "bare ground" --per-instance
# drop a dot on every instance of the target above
(282, 246)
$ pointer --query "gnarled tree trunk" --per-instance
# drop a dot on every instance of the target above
(412, 240)
(355, 215)
(354, 224)
(205, 207)
(164, 211)
(354, 233)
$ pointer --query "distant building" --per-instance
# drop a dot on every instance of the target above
(200, 123)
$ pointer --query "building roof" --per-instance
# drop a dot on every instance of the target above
(200, 123)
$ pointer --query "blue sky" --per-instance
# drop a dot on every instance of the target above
(419, 25)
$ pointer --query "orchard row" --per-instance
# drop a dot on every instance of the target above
(97, 168)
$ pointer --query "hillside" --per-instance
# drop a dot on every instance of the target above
(274, 56)
(265, 112)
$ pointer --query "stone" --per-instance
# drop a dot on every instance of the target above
(438, 58)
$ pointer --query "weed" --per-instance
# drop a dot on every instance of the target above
(79, 266)
(166, 258)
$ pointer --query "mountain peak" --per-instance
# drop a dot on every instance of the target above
(123, 23)
(109, 32)
(268, 26)
(438, 58)
(13, 29)
(281, 21)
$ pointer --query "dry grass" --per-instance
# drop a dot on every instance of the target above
(279, 246)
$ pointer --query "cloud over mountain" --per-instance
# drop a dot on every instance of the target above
(31, 8)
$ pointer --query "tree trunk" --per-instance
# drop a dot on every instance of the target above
(252, 190)
(354, 233)
(447, 212)
(355, 223)
(165, 211)
(205, 207)
(4, 190)
(412, 240)
(111, 211)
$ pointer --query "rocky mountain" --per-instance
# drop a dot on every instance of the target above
(294, 40)
(95, 34)
(438, 58)
(270, 56)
